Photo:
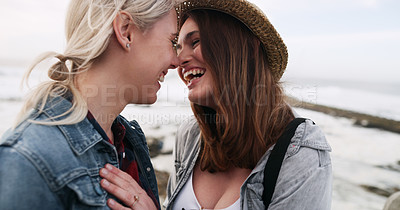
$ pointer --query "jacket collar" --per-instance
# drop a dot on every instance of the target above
(80, 136)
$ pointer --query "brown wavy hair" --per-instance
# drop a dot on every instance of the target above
(251, 112)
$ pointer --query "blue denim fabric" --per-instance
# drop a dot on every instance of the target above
(57, 167)
(304, 182)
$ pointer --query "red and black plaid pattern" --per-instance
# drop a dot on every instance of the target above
(126, 155)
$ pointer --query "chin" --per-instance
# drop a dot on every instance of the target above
(151, 100)
(202, 101)
(148, 100)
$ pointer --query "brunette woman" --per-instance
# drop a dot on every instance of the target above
(231, 59)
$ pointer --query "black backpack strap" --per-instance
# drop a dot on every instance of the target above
(275, 159)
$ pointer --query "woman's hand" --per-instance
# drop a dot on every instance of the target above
(125, 188)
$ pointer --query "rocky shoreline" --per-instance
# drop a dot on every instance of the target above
(360, 119)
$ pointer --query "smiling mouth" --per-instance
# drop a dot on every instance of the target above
(192, 74)
(161, 78)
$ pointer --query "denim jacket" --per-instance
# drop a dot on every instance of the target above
(57, 167)
(304, 182)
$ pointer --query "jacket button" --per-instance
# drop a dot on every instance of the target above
(148, 169)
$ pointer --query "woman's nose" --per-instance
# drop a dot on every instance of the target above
(183, 57)
(174, 62)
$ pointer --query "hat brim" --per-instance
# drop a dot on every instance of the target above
(251, 16)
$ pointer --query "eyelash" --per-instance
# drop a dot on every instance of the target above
(174, 43)
(196, 41)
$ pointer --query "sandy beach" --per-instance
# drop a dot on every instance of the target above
(366, 161)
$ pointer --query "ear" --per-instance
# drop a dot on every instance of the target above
(123, 28)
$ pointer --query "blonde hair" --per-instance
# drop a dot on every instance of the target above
(88, 31)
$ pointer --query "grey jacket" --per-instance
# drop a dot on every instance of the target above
(304, 182)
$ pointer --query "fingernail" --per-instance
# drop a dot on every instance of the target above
(108, 166)
(106, 183)
(104, 171)
(111, 202)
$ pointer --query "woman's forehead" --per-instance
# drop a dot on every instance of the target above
(187, 28)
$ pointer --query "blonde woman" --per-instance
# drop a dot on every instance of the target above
(117, 52)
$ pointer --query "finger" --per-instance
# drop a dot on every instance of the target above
(127, 197)
(118, 172)
(115, 205)
(128, 183)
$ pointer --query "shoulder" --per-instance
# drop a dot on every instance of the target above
(35, 147)
(307, 153)
(43, 147)
(306, 172)
(307, 163)
(32, 136)
(188, 133)
(308, 135)
(308, 149)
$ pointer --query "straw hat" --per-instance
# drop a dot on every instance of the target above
(250, 15)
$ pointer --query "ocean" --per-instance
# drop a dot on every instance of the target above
(374, 98)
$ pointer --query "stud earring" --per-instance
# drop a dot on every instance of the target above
(128, 45)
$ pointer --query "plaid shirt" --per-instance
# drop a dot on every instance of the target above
(126, 156)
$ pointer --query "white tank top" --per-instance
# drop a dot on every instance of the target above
(186, 199)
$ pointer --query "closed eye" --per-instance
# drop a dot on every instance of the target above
(174, 44)
(174, 41)
(195, 42)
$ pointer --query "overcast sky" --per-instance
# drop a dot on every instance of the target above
(346, 39)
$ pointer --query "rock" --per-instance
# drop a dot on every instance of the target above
(360, 119)
(162, 181)
(379, 191)
(393, 202)
(392, 167)
(155, 146)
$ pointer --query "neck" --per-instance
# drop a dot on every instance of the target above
(102, 97)
(105, 116)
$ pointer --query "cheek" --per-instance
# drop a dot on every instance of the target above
(169, 56)
(208, 80)
(198, 54)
